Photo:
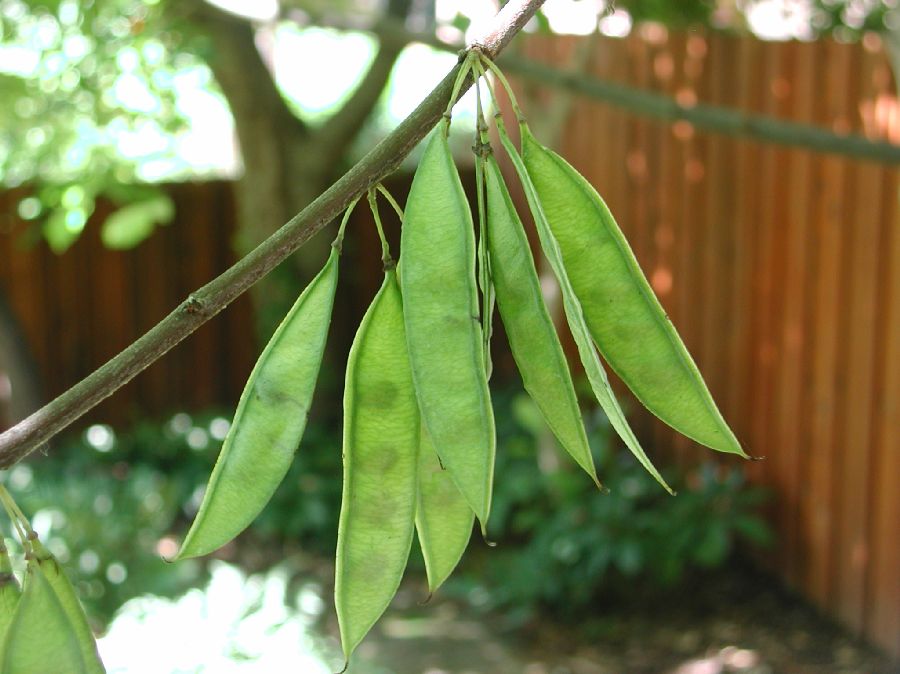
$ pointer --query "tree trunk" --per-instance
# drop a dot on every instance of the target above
(286, 163)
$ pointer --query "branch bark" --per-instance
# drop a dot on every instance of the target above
(200, 306)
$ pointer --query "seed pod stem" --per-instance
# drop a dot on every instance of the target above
(485, 281)
(390, 198)
(464, 71)
(386, 260)
(339, 239)
(17, 517)
(506, 86)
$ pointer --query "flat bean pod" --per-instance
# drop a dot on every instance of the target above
(593, 368)
(443, 516)
(55, 576)
(41, 638)
(9, 593)
(625, 318)
(532, 336)
(269, 421)
(440, 307)
(381, 440)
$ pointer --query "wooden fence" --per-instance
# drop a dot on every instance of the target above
(781, 269)
(80, 308)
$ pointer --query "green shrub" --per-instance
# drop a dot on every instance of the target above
(561, 544)
(111, 504)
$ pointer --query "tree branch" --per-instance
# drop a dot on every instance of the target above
(199, 307)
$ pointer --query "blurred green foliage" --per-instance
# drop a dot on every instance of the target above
(93, 105)
(111, 506)
(561, 544)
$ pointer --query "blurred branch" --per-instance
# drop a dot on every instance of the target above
(200, 306)
(727, 121)
(342, 127)
(718, 119)
(239, 69)
(555, 114)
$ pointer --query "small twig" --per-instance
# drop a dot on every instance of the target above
(383, 159)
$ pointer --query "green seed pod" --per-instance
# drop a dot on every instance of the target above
(532, 336)
(41, 638)
(593, 368)
(9, 592)
(269, 421)
(65, 593)
(624, 316)
(440, 306)
(381, 438)
(443, 517)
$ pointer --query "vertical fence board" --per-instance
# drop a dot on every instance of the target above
(855, 455)
(827, 231)
(883, 606)
(792, 337)
(746, 205)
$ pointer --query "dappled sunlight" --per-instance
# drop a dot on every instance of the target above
(321, 89)
(661, 280)
(729, 659)
(238, 623)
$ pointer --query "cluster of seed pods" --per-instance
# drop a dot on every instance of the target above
(419, 438)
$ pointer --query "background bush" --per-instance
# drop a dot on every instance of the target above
(111, 505)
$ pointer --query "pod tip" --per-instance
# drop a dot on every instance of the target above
(484, 536)
(183, 553)
(346, 665)
(427, 599)
(600, 487)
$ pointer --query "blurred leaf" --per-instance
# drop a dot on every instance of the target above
(754, 530)
(65, 224)
(133, 223)
(59, 237)
(714, 545)
(527, 414)
(461, 22)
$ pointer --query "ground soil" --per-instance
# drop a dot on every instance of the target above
(738, 621)
(734, 622)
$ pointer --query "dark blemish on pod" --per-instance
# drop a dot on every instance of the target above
(379, 395)
(275, 396)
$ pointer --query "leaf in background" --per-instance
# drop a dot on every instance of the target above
(133, 223)
(543, 23)
(714, 546)
(461, 22)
